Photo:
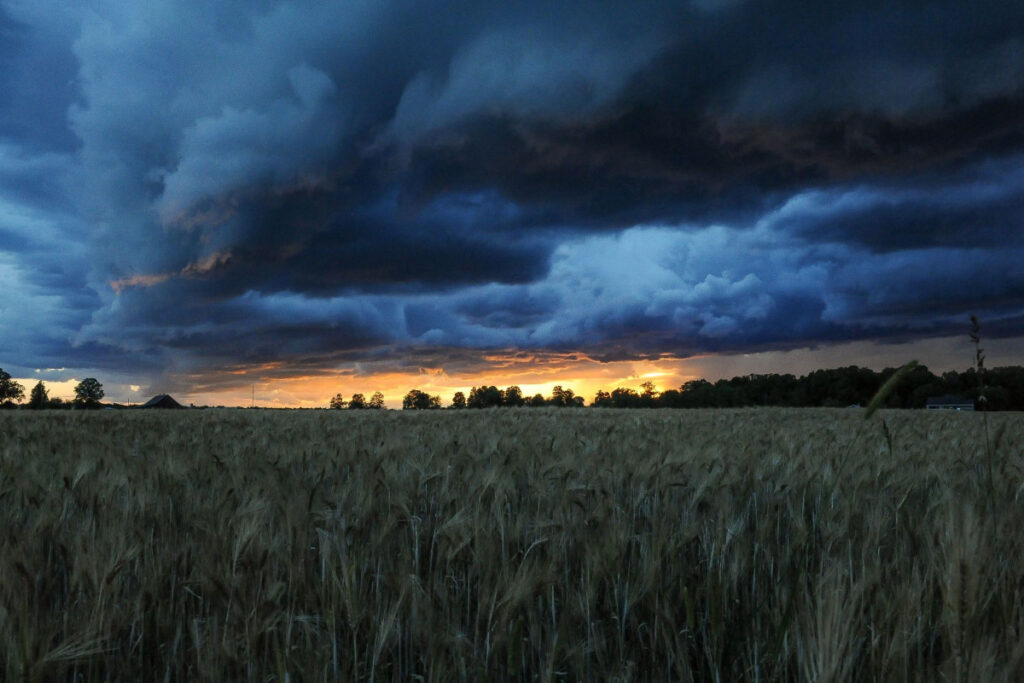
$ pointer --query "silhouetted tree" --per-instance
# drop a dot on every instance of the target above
(338, 402)
(538, 401)
(564, 398)
(670, 398)
(903, 395)
(88, 393)
(10, 391)
(40, 398)
(919, 397)
(484, 397)
(357, 402)
(698, 393)
(837, 387)
(649, 395)
(459, 400)
(512, 397)
(376, 401)
(420, 400)
(623, 397)
(1011, 380)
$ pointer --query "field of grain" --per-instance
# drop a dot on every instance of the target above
(728, 545)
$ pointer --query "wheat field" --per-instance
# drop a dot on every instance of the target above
(720, 545)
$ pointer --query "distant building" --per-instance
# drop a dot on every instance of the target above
(162, 401)
(949, 402)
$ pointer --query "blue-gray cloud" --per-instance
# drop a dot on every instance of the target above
(185, 187)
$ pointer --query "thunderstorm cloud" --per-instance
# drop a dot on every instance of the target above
(186, 187)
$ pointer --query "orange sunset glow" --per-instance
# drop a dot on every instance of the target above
(536, 375)
(271, 386)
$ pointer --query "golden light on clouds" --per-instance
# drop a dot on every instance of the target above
(532, 373)
(194, 269)
(138, 281)
(538, 372)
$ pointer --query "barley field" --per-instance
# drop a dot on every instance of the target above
(511, 545)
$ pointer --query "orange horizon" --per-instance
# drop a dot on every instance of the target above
(532, 372)
(584, 376)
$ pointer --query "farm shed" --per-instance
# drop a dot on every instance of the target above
(949, 402)
(162, 401)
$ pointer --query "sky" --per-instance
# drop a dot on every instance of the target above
(288, 199)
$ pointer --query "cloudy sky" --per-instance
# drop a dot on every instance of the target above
(306, 197)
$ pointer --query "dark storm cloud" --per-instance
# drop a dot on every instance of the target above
(276, 181)
(980, 206)
(304, 242)
(754, 101)
(37, 73)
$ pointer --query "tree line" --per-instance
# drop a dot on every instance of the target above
(88, 394)
(479, 397)
(1002, 389)
(358, 402)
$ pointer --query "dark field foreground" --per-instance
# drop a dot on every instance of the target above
(595, 545)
